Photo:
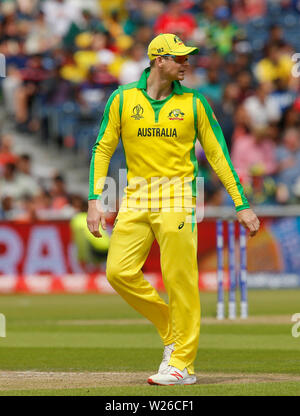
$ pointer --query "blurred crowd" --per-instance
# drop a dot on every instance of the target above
(26, 195)
(65, 57)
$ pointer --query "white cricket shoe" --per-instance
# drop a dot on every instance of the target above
(172, 376)
(166, 357)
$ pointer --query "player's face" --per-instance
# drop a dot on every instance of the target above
(175, 67)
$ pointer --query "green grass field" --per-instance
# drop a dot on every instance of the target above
(58, 345)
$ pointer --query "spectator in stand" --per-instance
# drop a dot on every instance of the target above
(53, 93)
(27, 211)
(87, 23)
(113, 24)
(296, 105)
(225, 110)
(10, 85)
(17, 183)
(222, 33)
(101, 46)
(276, 35)
(6, 153)
(59, 15)
(241, 61)
(143, 34)
(254, 154)
(8, 209)
(14, 53)
(43, 205)
(4, 207)
(176, 20)
(11, 27)
(27, 7)
(26, 177)
(90, 95)
(295, 5)
(244, 82)
(213, 194)
(58, 192)
(288, 173)
(215, 60)
(43, 200)
(10, 184)
(132, 68)
(283, 95)
(40, 38)
(204, 21)
(32, 76)
(290, 118)
(70, 71)
(276, 65)
(86, 56)
(78, 203)
(262, 108)
(242, 123)
(245, 10)
(212, 89)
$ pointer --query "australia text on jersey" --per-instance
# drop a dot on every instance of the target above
(157, 132)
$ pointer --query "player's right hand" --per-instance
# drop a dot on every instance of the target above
(249, 220)
(95, 215)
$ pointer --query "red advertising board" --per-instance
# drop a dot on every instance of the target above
(29, 249)
(41, 257)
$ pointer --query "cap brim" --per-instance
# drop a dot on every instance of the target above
(186, 51)
(189, 50)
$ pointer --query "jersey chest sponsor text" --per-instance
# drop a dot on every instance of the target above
(157, 132)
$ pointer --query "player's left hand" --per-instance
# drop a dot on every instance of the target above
(249, 220)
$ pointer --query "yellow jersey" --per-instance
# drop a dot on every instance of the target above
(159, 139)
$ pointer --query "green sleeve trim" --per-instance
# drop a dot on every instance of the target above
(220, 138)
(93, 197)
(103, 125)
(121, 101)
(195, 114)
(121, 88)
(242, 207)
(193, 219)
(192, 152)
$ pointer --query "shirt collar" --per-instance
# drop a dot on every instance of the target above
(142, 84)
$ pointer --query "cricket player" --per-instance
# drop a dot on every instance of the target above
(159, 121)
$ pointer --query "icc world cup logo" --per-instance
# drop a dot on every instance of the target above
(138, 112)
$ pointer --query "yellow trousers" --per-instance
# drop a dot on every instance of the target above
(132, 238)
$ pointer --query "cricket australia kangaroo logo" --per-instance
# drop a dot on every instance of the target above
(137, 112)
(178, 40)
(176, 114)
